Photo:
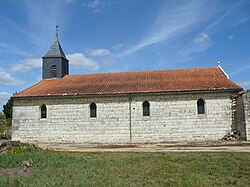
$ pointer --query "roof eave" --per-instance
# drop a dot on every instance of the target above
(130, 93)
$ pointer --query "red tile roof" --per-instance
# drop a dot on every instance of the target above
(181, 80)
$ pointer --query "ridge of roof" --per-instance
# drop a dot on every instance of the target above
(141, 71)
(223, 71)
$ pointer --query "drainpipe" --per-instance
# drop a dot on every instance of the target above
(130, 121)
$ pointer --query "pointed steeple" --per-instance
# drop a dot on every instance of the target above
(55, 63)
(55, 50)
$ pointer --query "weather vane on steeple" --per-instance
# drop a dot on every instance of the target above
(57, 29)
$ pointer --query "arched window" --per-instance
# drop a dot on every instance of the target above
(93, 110)
(53, 71)
(201, 106)
(43, 111)
(146, 110)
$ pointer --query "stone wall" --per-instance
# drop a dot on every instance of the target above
(241, 113)
(238, 117)
(246, 98)
(173, 117)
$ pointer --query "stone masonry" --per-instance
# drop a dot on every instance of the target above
(246, 98)
(173, 117)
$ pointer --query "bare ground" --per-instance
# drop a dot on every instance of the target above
(12, 172)
(154, 147)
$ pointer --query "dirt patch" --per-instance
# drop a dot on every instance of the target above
(13, 172)
(6, 146)
(113, 146)
(236, 144)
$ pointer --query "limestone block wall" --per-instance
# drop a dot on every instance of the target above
(247, 113)
(239, 117)
(173, 117)
(68, 120)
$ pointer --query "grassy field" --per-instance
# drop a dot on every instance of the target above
(127, 169)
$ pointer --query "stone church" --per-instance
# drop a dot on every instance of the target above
(196, 104)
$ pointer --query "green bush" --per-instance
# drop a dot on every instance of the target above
(26, 148)
(1, 129)
(7, 122)
(5, 127)
(6, 136)
(2, 117)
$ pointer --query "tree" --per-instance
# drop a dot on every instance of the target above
(7, 109)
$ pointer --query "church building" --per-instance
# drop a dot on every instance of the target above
(124, 107)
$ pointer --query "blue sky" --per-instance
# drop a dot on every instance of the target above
(123, 35)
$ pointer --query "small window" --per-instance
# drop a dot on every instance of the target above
(93, 110)
(146, 111)
(43, 111)
(201, 106)
(53, 71)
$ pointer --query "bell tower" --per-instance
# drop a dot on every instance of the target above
(55, 63)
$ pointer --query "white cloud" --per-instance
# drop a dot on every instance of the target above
(79, 61)
(174, 21)
(98, 5)
(203, 41)
(6, 47)
(241, 69)
(42, 17)
(244, 83)
(16, 26)
(4, 93)
(100, 52)
(104, 56)
(26, 65)
(179, 19)
(4, 97)
(109, 61)
(240, 15)
(201, 38)
(230, 37)
(7, 80)
(94, 3)
(186, 53)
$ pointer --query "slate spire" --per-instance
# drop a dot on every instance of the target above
(55, 63)
(55, 50)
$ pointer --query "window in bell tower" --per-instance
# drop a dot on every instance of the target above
(53, 71)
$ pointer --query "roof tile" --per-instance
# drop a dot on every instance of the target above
(195, 79)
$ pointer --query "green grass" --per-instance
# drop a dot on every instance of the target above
(128, 169)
